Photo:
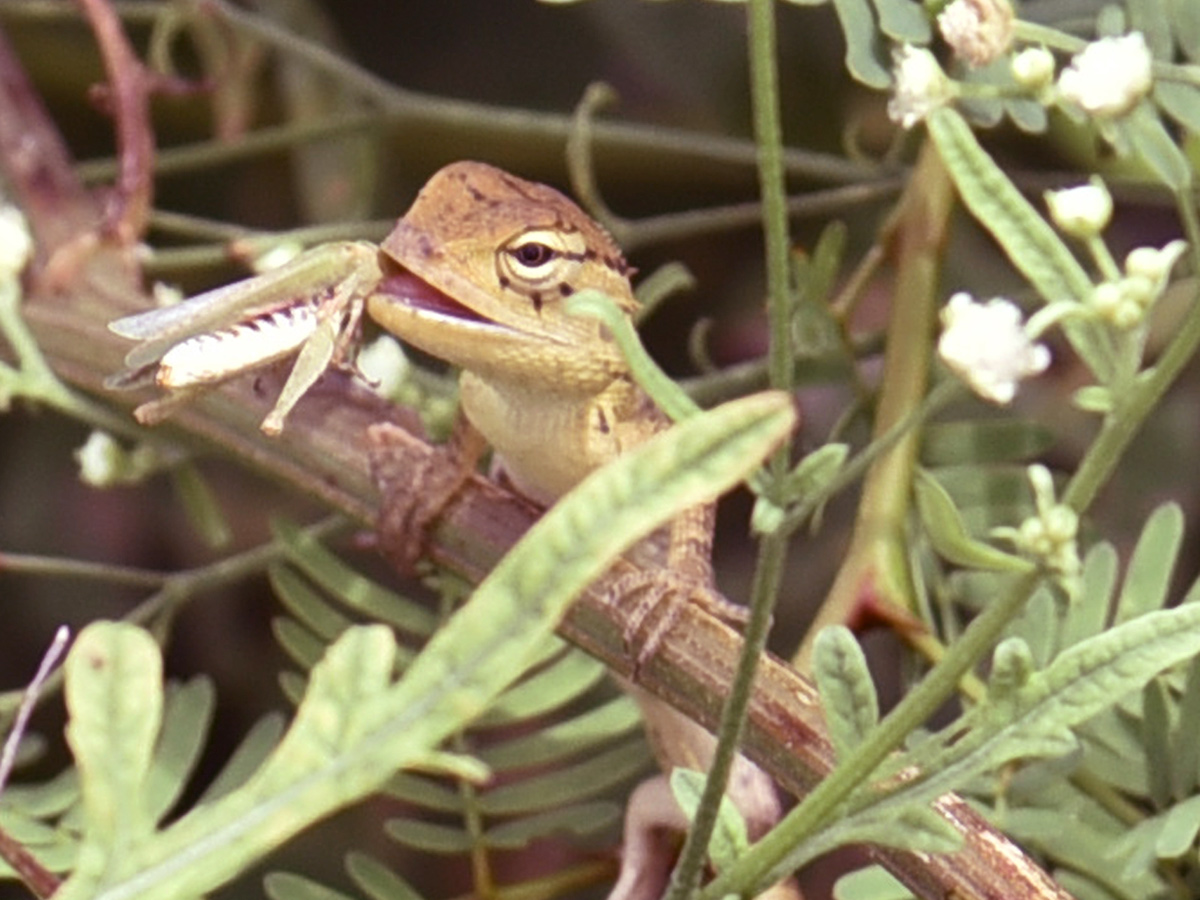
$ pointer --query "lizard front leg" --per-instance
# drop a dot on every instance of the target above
(414, 497)
(657, 594)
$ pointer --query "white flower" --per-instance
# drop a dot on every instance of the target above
(978, 31)
(1033, 68)
(16, 244)
(1154, 263)
(1083, 211)
(987, 347)
(1050, 535)
(1109, 76)
(101, 460)
(921, 85)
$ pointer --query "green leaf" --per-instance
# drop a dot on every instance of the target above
(1181, 102)
(302, 600)
(1181, 825)
(254, 748)
(1153, 145)
(354, 727)
(1185, 16)
(863, 60)
(1025, 236)
(917, 828)
(286, 886)
(814, 472)
(729, 837)
(1148, 578)
(1029, 241)
(563, 740)
(1156, 730)
(201, 505)
(114, 698)
(1087, 614)
(596, 774)
(430, 837)
(1150, 18)
(1028, 115)
(332, 575)
(847, 691)
(186, 722)
(871, 883)
(949, 535)
(1185, 748)
(550, 688)
(579, 820)
(1083, 681)
(903, 21)
(378, 881)
(667, 395)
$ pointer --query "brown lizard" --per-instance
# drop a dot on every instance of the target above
(476, 274)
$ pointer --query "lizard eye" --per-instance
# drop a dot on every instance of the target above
(533, 255)
(540, 259)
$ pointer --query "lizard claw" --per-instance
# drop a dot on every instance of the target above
(659, 598)
(415, 491)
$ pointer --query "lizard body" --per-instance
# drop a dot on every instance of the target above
(476, 274)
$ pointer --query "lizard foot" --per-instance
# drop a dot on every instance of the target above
(415, 488)
(658, 599)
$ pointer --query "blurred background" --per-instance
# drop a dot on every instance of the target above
(493, 80)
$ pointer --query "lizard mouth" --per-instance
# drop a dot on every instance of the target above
(405, 287)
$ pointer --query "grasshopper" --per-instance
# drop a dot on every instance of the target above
(312, 307)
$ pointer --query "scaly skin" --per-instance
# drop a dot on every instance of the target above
(476, 273)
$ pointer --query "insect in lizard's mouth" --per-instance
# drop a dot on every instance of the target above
(412, 291)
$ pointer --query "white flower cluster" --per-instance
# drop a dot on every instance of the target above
(920, 85)
(986, 346)
(1123, 299)
(978, 31)
(1109, 76)
(1106, 79)
(1050, 535)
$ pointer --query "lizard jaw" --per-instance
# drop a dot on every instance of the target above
(410, 290)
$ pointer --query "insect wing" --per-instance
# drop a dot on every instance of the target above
(302, 280)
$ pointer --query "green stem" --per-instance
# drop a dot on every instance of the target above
(768, 134)
(767, 576)
(1143, 395)
(767, 861)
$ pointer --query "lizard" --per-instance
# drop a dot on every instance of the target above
(475, 274)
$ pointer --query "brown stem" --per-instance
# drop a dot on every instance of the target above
(128, 98)
(40, 880)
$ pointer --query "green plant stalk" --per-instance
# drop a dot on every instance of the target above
(768, 573)
(768, 134)
(772, 186)
(876, 564)
(766, 861)
(1121, 426)
(35, 380)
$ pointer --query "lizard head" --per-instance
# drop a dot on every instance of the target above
(477, 270)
